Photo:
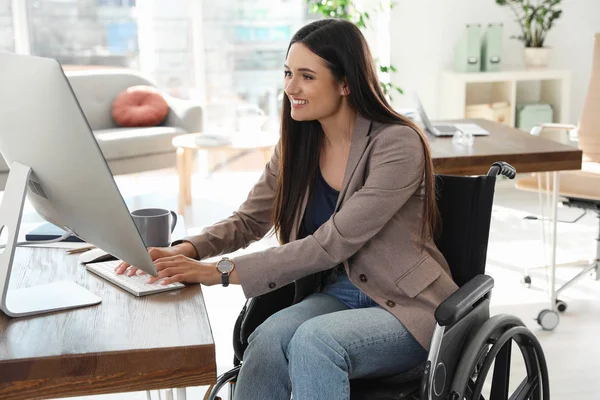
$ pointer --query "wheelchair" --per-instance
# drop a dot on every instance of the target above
(466, 341)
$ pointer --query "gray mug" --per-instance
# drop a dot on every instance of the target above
(155, 225)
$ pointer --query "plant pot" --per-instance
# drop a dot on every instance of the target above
(537, 57)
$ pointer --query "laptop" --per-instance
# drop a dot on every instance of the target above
(446, 129)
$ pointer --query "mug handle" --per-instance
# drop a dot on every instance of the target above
(174, 222)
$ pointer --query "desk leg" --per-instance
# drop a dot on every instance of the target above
(189, 161)
(555, 191)
(184, 169)
(181, 394)
(267, 155)
(180, 172)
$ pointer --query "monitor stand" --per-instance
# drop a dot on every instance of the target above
(36, 299)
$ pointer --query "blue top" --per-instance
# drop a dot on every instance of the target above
(319, 209)
(320, 206)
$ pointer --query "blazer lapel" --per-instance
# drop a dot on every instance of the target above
(360, 139)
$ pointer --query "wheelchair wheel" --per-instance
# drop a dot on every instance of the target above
(492, 345)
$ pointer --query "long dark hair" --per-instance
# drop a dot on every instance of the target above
(343, 47)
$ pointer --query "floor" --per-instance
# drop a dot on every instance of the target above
(514, 244)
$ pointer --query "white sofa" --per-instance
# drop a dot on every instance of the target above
(127, 150)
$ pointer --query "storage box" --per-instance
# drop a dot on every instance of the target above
(467, 51)
(498, 112)
(530, 115)
(491, 48)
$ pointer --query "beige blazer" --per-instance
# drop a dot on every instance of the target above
(374, 232)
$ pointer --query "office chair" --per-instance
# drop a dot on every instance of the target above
(466, 341)
(580, 189)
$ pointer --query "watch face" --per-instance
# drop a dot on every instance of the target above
(225, 266)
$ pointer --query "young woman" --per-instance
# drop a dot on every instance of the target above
(350, 193)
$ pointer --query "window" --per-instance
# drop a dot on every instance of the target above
(84, 32)
(245, 56)
(7, 36)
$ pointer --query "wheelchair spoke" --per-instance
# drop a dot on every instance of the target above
(493, 347)
(501, 373)
(526, 389)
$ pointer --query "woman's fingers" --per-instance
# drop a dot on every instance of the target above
(167, 272)
(176, 278)
(170, 261)
(154, 252)
(121, 268)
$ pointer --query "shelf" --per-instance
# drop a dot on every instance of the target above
(458, 90)
(488, 92)
(510, 75)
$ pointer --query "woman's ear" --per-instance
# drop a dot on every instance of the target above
(345, 88)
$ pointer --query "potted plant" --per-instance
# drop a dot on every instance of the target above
(535, 18)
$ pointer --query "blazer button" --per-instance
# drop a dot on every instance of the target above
(272, 285)
(390, 303)
(363, 278)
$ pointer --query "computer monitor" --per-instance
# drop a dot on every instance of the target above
(54, 157)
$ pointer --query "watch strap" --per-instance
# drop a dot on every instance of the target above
(225, 279)
(225, 275)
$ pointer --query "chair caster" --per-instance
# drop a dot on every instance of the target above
(561, 306)
(548, 319)
(526, 281)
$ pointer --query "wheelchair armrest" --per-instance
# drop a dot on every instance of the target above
(462, 301)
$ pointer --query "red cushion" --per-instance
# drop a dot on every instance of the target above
(139, 106)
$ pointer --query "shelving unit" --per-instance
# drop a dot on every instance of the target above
(458, 90)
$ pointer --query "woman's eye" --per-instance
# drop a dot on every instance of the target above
(287, 73)
(307, 77)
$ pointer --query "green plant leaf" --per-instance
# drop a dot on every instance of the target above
(535, 20)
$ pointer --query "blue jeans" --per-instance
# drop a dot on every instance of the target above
(345, 291)
(313, 348)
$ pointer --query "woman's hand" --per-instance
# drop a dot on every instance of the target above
(185, 248)
(179, 268)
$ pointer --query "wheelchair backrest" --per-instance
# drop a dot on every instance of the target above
(465, 205)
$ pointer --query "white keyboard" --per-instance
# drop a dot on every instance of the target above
(135, 284)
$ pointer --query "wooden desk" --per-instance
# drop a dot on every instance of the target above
(523, 151)
(123, 344)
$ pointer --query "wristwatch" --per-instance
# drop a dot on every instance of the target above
(225, 266)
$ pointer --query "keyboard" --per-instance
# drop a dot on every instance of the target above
(135, 284)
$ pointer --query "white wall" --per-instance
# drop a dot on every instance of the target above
(424, 32)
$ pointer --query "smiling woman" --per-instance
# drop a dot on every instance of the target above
(349, 193)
